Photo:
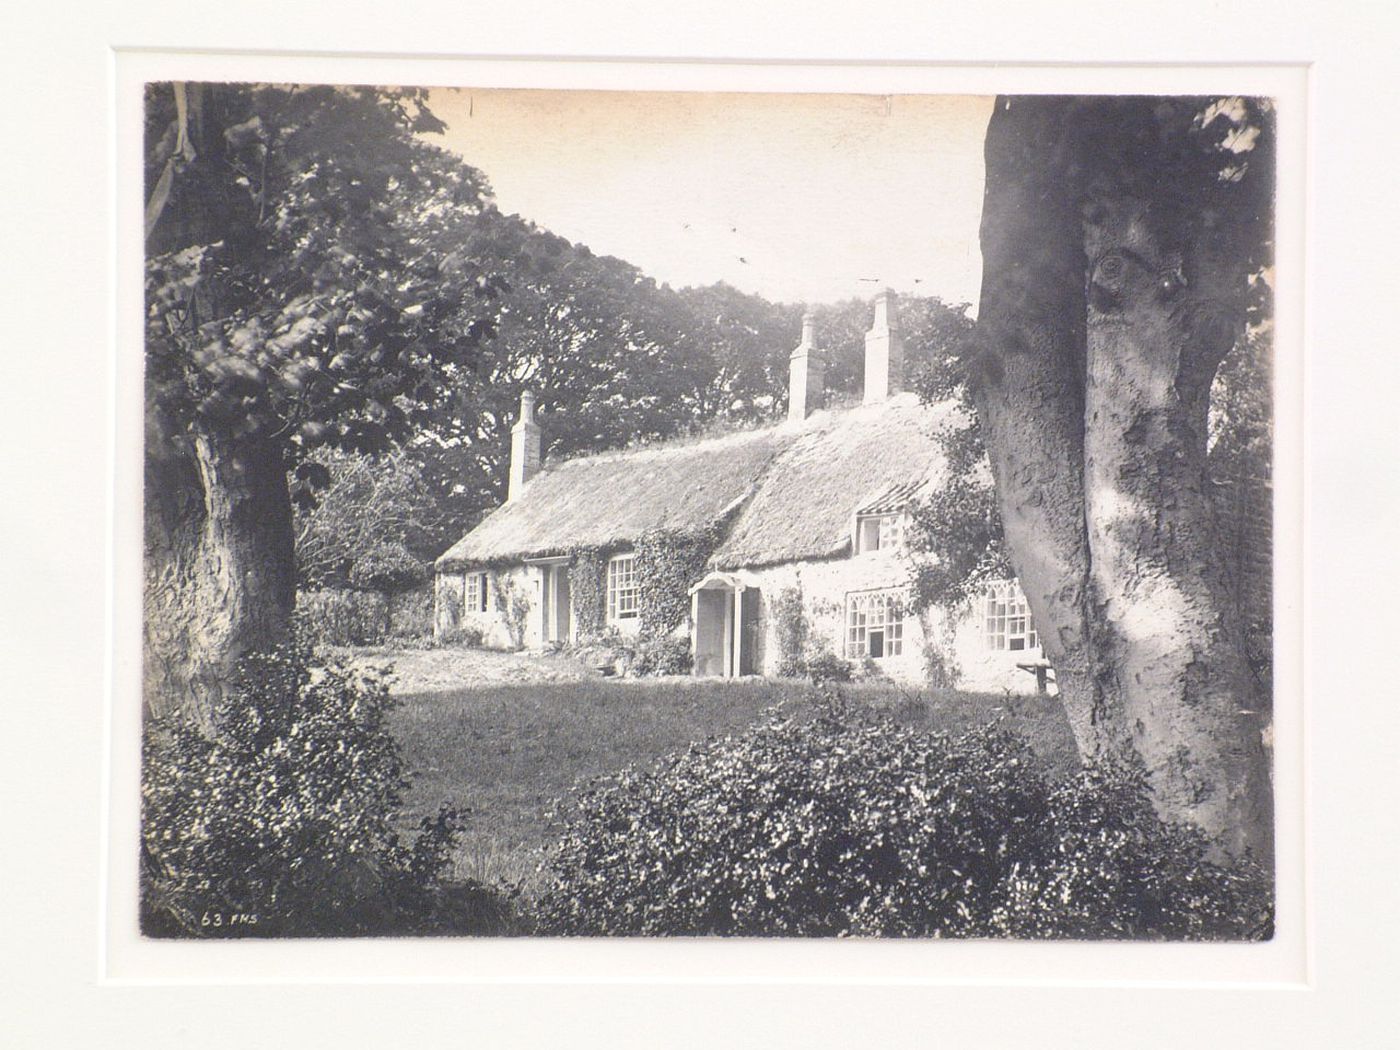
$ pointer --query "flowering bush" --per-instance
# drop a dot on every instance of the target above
(281, 820)
(844, 825)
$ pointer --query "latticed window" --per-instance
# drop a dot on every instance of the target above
(877, 532)
(891, 532)
(1008, 617)
(874, 624)
(622, 587)
(476, 592)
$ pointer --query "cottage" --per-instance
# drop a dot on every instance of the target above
(750, 544)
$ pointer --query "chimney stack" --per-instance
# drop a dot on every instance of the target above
(806, 374)
(524, 447)
(884, 351)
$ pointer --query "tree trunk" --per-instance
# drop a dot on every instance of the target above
(1030, 401)
(1094, 359)
(220, 572)
(1175, 641)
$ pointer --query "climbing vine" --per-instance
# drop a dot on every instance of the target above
(791, 626)
(669, 563)
(588, 590)
(514, 606)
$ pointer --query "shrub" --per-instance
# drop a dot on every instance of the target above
(343, 617)
(941, 670)
(821, 827)
(822, 665)
(282, 820)
(471, 635)
(661, 656)
(1118, 872)
(588, 590)
(389, 568)
(842, 825)
(411, 614)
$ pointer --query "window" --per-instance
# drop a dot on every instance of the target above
(874, 624)
(1008, 618)
(622, 587)
(876, 532)
(477, 592)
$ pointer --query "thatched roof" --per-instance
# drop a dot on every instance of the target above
(865, 459)
(795, 487)
(613, 498)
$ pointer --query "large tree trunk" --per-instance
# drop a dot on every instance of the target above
(1095, 358)
(1030, 401)
(220, 572)
(1175, 640)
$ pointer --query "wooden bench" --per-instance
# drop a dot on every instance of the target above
(1043, 674)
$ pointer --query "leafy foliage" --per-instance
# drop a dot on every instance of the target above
(588, 590)
(1116, 871)
(847, 825)
(820, 664)
(390, 570)
(791, 629)
(336, 617)
(954, 535)
(513, 603)
(348, 617)
(669, 563)
(285, 815)
(310, 275)
(374, 524)
(661, 656)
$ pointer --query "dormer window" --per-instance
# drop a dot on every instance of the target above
(877, 532)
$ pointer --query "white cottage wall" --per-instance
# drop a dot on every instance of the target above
(826, 587)
(512, 616)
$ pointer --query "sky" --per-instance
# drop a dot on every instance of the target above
(799, 198)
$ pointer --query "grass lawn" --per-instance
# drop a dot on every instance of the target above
(504, 750)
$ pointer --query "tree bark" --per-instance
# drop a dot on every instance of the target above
(1091, 374)
(1027, 386)
(1175, 640)
(220, 572)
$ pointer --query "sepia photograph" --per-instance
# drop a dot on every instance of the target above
(699, 525)
(596, 513)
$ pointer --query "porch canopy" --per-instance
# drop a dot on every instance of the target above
(724, 619)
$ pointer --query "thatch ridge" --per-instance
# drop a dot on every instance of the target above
(611, 499)
(803, 508)
(796, 487)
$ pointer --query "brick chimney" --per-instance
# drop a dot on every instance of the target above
(884, 351)
(806, 374)
(524, 447)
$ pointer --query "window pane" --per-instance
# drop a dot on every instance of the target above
(622, 587)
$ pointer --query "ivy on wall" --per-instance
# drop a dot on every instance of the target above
(587, 590)
(668, 564)
(791, 627)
